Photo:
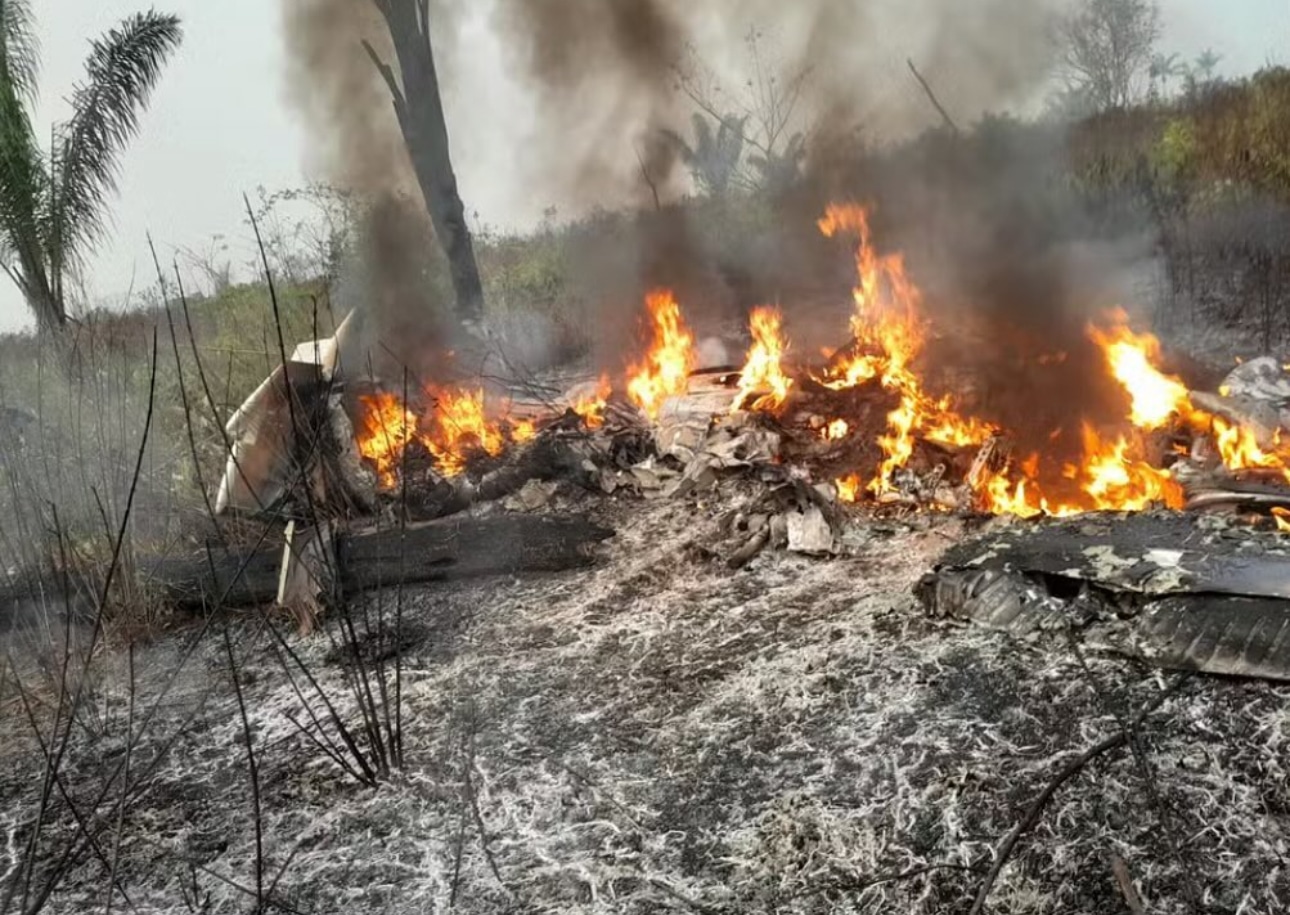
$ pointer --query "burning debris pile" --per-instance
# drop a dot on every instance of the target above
(863, 424)
(794, 447)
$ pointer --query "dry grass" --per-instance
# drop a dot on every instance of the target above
(657, 734)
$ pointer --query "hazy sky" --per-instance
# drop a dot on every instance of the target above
(219, 125)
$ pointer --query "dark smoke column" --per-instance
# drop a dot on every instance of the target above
(420, 112)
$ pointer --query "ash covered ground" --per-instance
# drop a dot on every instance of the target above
(660, 733)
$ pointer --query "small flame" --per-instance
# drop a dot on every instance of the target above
(591, 407)
(670, 358)
(387, 428)
(849, 488)
(763, 384)
(1282, 518)
(836, 431)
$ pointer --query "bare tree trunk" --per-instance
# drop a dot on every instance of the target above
(420, 111)
(46, 303)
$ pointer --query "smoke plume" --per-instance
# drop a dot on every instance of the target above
(333, 83)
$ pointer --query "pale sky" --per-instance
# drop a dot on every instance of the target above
(219, 125)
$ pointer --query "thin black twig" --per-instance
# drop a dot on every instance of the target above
(1036, 810)
(931, 97)
(253, 771)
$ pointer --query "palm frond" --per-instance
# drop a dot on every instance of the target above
(19, 49)
(703, 140)
(24, 188)
(122, 69)
(678, 142)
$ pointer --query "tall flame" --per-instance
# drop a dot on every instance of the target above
(763, 384)
(1158, 398)
(386, 429)
(666, 370)
(889, 332)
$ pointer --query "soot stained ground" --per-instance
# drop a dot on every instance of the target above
(662, 734)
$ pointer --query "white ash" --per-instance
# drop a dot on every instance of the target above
(660, 734)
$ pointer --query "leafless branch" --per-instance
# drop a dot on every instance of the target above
(1036, 810)
(931, 97)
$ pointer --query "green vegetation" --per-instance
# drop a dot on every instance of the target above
(52, 204)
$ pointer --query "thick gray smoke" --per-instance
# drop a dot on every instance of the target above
(599, 80)
(602, 76)
(333, 82)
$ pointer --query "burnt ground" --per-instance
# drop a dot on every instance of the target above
(662, 734)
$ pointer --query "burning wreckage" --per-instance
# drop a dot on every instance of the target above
(1161, 531)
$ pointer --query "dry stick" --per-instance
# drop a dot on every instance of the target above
(368, 774)
(459, 855)
(227, 881)
(59, 746)
(183, 392)
(398, 600)
(363, 689)
(125, 778)
(478, 815)
(1073, 768)
(73, 850)
(649, 181)
(253, 771)
(1149, 780)
(931, 97)
(82, 825)
(1124, 882)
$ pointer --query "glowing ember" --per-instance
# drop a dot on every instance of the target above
(387, 428)
(763, 384)
(836, 431)
(1282, 517)
(670, 358)
(591, 406)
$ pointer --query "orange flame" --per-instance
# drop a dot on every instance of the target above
(836, 431)
(1282, 518)
(670, 358)
(1157, 398)
(888, 333)
(849, 488)
(1132, 358)
(763, 383)
(456, 427)
(460, 426)
(387, 428)
(591, 407)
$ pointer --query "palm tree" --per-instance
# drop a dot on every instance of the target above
(779, 171)
(52, 205)
(714, 159)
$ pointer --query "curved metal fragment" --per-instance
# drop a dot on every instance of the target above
(1240, 637)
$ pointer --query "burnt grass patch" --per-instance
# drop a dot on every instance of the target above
(663, 735)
